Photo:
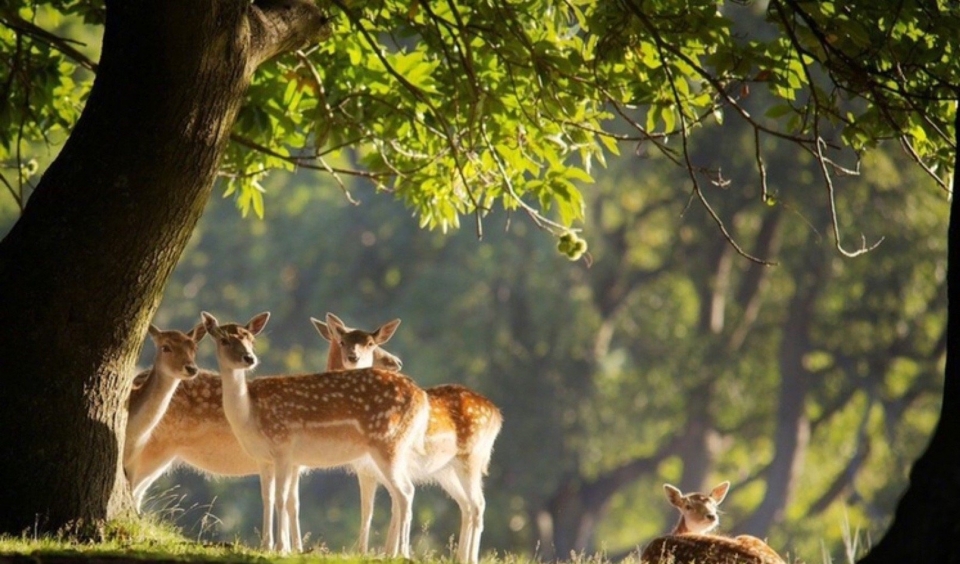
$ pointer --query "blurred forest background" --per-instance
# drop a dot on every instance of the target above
(811, 385)
(667, 357)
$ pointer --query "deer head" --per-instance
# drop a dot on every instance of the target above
(235, 342)
(698, 512)
(176, 352)
(357, 348)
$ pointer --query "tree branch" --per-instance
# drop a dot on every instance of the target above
(819, 145)
(281, 26)
(22, 26)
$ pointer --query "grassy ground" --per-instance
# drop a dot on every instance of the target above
(159, 543)
(156, 542)
(145, 542)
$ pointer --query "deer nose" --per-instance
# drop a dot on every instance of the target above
(353, 357)
(191, 369)
(249, 358)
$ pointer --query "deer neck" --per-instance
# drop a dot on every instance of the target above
(237, 405)
(681, 528)
(335, 356)
(147, 406)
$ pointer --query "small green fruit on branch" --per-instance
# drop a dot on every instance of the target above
(571, 245)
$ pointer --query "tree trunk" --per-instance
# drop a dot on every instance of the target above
(792, 435)
(85, 266)
(926, 523)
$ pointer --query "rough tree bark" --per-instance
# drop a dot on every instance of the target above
(926, 524)
(84, 267)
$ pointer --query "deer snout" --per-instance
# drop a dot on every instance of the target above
(191, 370)
(249, 359)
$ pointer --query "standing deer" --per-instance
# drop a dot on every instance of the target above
(153, 389)
(355, 348)
(462, 429)
(319, 421)
(690, 541)
(194, 431)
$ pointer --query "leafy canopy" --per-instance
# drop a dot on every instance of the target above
(462, 106)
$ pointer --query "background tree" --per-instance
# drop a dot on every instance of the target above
(455, 109)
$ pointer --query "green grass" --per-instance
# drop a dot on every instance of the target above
(149, 541)
(152, 540)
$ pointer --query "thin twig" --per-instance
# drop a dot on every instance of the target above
(539, 220)
(20, 25)
(821, 159)
(658, 41)
(908, 147)
(764, 190)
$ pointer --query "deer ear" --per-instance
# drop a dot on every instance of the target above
(387, 361)
(322, 328)
(334, 320)
(336, 326)
(385, 331)
(153, 332)
(718, 493)
(197, 332)
(211, 324)
(258, 322)
(674, 495)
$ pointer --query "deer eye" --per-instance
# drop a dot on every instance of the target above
(165, 348)
(224, 341)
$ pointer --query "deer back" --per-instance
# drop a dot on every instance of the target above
(369, 405)
(698, 549)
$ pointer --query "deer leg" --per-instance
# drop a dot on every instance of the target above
(268, 496)
(368, 495)
(287, 502)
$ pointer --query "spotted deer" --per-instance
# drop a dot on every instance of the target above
(319, 421)
(153, 389)
(355, 348)
(462, 428)
(690, 541)
(194, 431)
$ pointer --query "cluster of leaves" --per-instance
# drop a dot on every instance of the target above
(462, 106)
(43, 85)
(454, 107)
(900, 60)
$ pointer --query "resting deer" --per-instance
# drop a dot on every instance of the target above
(153, 389)
(462, 429)
(690, 541)
(319, 421)
(194, 431)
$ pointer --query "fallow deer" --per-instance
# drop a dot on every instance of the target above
(355, 348)
(154, 388)
(194, 431)
(319, 421)
(462, 429)
(690, 542)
